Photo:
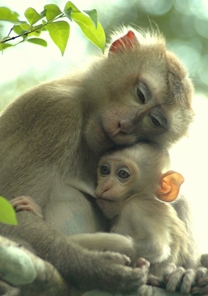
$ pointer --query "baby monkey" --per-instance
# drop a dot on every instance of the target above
(134, 189)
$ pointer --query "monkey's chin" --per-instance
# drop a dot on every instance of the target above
(110, 208)
(124, 140)
(119, 139)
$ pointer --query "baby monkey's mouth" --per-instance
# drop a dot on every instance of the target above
(105, 199)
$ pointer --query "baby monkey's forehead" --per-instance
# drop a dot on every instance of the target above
(115, 158)
(119, 161)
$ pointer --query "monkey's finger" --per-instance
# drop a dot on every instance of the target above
(203, 281)
(202, 276)
(130, 278)
(187, 281)
(23, 207)
(200, 291)
(15, 201)
(28, 208)
(141, 262)
(116, 258)
(174, 280)
(170, 268)
(155, 281)
(20, 200)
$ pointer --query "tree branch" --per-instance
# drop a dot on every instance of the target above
(27, 274)
(21, 268)
(26, 33)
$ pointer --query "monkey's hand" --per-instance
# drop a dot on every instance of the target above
(110, 272)
(201, 283)
(186, 281)
(26, 203)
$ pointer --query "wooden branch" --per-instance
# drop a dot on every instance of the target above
(25, 274)
(34, 276)
(143, 291)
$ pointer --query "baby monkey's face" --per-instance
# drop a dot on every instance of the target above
(116, 178)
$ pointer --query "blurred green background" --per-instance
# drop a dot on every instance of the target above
(183, 22)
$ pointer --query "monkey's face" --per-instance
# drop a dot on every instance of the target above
(139, 92)
(116, 183)
(137, 112)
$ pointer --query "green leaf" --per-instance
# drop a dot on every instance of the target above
(70, 5)
(87, 24)
(96, 36)
(93, 15)
(51, 11)
(4, 46)
(38, 41)
(43, 13)
(59, 32)
(68, 13)
(7, 15)
(7, 212)
(32, 15)
(18, 30)
(25, 26)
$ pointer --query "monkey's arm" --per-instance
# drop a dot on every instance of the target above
(85, 269)
(174, 277)
(144, 220)
(91, 241)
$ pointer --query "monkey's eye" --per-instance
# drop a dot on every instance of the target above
(142, 93)
(123, 174)
(104, 170)
(140, 96)
(157, 118)
(155, 121)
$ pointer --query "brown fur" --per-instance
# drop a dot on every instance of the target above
(61, 128)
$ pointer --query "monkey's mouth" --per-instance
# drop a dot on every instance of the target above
(103, 199)
(118, 138)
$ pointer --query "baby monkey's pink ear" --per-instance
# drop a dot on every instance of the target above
(125, 42)
(169, 186)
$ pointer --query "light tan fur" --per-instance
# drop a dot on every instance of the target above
(157, 233)
(60, 129)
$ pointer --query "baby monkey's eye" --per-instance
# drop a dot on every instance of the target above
(104, 170)
(123, 174)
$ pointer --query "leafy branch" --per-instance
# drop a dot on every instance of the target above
(51, 20)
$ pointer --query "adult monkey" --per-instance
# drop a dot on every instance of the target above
(139, 91)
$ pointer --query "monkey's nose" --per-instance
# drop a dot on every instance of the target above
(125, 126)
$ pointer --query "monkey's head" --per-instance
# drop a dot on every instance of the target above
(141, 92)
(136, 172)
(117, 178)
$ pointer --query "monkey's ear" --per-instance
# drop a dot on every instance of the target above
(170, 186)
(125, 42)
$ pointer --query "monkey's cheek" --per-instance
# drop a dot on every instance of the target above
(96, 137)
